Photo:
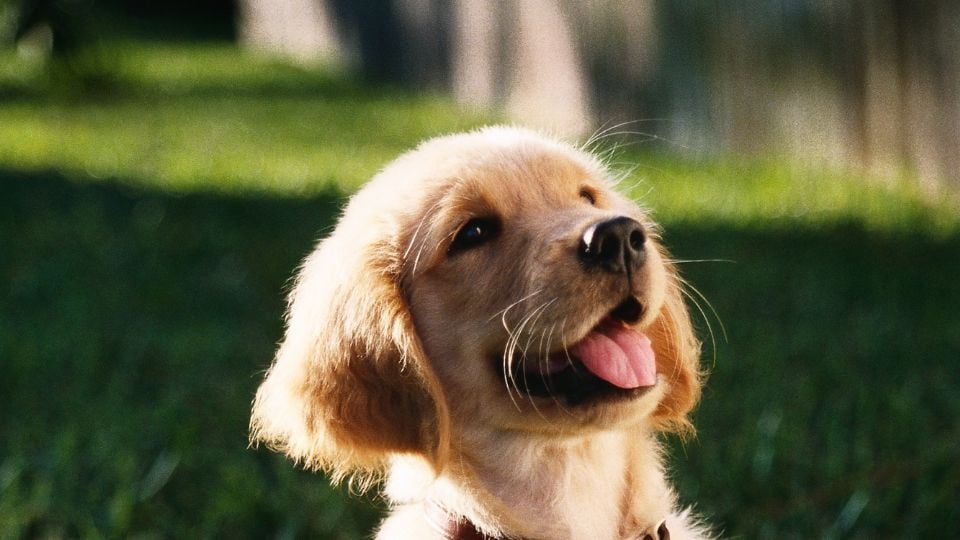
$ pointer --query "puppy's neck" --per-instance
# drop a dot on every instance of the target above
(593, 486)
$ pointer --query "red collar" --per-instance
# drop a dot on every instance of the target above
(449, 526)
(453, 527)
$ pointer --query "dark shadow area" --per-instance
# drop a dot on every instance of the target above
(135, 325)
(831, 406)
(134, 329)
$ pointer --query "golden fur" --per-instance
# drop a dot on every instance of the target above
(385, 370)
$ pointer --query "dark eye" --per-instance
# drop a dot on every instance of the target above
(474, 233)
(588, 196)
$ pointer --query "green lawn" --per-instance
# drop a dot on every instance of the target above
(149, 225)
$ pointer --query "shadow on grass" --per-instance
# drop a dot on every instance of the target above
(135, 325)
(134, 328)
(832, 405)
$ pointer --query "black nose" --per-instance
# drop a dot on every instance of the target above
(616, 245)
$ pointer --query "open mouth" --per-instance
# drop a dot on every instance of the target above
(611, 361)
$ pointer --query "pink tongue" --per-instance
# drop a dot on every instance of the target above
(618, 355)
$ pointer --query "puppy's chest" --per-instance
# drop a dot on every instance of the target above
(593, 508)
(569, 498)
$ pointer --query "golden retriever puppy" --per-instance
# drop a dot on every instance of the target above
(498, 336)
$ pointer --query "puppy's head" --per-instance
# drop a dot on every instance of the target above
(482, 282)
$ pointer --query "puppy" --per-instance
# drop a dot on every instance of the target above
(497, 334)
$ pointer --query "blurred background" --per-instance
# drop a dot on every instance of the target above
(164, 167)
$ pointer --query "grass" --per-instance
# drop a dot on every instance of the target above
(187, 118)
(147, 230)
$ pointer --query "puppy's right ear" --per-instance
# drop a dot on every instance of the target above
(350, 385)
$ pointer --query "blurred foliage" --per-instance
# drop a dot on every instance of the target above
(148, 230)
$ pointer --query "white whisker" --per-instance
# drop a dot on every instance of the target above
(539, 312)
(508, 379)
(516, 341)
(687, 261)
(566, 353)
(693, 299)
(416, 232)
(503, 312)
(513, 341)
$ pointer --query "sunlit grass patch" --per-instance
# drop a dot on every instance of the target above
(187, 118)
(781, 194)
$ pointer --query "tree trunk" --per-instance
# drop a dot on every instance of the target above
(299, 29)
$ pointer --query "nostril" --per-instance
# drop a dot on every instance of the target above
(637, 239)
(609, 247)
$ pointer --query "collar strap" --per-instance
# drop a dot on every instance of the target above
(449, 526)
(453, 527)
(663, 533)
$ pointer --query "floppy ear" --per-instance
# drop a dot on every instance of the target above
(349, 385)
(678, 357)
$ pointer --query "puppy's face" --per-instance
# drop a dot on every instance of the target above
(531, 284)
(485, 281)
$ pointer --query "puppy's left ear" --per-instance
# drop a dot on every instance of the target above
(350, 385)
(678, 357)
